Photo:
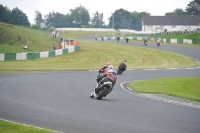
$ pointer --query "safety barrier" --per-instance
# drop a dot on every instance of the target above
(165, 40)
(32, 56)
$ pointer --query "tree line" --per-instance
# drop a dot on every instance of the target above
(14, 16)
(80, 17)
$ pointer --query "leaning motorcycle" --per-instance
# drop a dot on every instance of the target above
(158, 43)
(102, 91)
(145, 43)
(119, 70)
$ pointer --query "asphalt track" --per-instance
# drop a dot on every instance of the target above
(60, 101)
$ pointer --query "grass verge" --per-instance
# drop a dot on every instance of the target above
(95, 54)
(188, 87)
(9, 127)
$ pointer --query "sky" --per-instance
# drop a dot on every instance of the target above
(107, 7)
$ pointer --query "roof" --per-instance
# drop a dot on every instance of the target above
(171, 20)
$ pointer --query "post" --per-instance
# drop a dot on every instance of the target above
(113, 24)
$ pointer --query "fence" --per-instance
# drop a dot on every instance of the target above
(33, 55)
(166, 40)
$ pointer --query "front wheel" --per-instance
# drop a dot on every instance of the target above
(119, 72)
(102, 93)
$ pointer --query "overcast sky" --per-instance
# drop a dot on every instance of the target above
(107, 7)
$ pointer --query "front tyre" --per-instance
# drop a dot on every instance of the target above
(102, 93)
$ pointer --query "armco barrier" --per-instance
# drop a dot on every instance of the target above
(180, 41)
(65, 51)
(165, 40)
(59, 52)
(52, 53)
(1, 57)
(32, 56)
(77, 48)
(36, 55)
(196, 41)
(10, 56)
(173, 40)
(189, 41)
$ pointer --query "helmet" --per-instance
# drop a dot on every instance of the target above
(110, 67)
(108, 64)
(114, 72)
(124, 60)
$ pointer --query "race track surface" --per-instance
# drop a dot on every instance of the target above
(60, 101)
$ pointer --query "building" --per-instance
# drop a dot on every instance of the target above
(170, 23)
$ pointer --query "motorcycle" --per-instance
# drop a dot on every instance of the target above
(118, 38)
(103, 90)
(119, 70)
(145, 43)
(158, 43)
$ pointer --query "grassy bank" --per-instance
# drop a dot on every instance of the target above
(188, 88)
(14, 37)
(95, 54)
(9, 127)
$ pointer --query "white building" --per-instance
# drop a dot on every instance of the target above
(170, 23)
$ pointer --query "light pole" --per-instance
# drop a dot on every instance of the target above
(113, 24)
(192, 13)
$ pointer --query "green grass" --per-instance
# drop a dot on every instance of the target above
(36, 40)
(94, 54)
(9, 127)
(188, 88)
(78, 34)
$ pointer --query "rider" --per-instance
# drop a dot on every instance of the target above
(110, 75)
(102, 70)
(123, 65)
(145, 40)
(158, 41)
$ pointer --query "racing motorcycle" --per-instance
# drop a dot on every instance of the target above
(102, 91)
(119, 70)
(145, 43)
(158, 43)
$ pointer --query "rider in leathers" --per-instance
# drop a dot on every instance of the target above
(110, 75)
(123, 65)
(102, 70)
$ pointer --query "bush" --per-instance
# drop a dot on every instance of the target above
(35, 26)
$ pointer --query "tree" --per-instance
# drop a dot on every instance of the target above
(178, 12)
(193, 7)
(19, 18)
(38, 18)
(122, 19)
(80, 16)
(4, 14)
(97, 20)
(127, 20)
(56, 20)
